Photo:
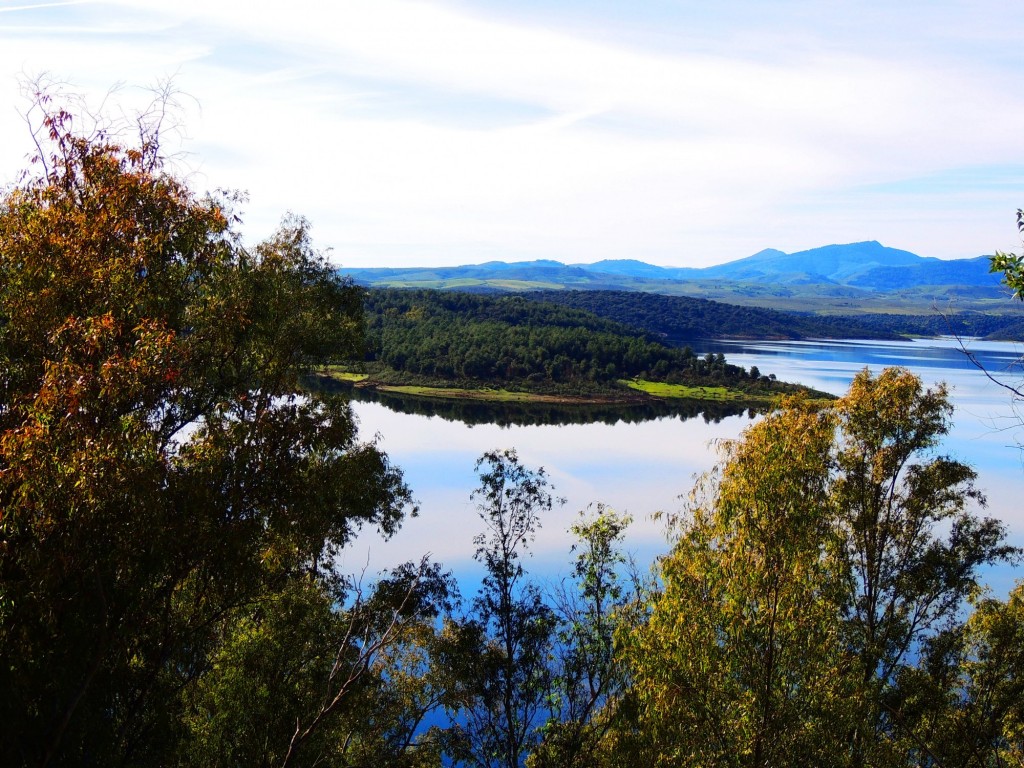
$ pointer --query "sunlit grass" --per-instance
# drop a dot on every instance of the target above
(661, 389)
(336, 372)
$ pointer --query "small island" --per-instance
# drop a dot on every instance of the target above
(510, 349)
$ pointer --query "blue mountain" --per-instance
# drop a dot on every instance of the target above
(867, 265)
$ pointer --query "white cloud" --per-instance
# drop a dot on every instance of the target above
(419, 132)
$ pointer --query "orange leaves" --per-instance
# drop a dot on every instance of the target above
(152, 440)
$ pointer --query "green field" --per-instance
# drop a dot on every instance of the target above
(342, 375)
(498, 395)
(661, 389)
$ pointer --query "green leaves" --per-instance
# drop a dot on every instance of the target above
(159, 472)
(815, 574)
(514, 628)
(1011, 264)
(741, 649)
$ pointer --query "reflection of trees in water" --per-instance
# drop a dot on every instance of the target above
(526, 414)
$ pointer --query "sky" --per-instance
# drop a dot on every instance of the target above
(677, 132)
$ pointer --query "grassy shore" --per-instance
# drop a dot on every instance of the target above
(628, 391)
(661, 389)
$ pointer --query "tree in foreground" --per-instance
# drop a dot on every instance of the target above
(587, 672)
(737, 663)
(299, 681)
(1011, 264)
(913, 547)
(160, 478)
(963, 702)
(825, 565)
(502, 652)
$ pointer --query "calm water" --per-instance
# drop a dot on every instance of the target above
(644, 466)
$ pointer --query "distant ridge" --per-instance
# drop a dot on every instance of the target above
(630, 267)
(831, 263)
(867, 265)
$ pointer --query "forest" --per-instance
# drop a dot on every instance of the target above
(683, 319)
(445, 337)
(173, 505)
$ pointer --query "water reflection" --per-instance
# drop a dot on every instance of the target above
(833, 363)
(641, 462)
(509, 414)
(639, 467)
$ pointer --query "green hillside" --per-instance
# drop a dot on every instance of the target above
(491, 347)
(854, 278)
(682, 319)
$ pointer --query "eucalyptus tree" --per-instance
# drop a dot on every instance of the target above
(815, 577)
(588, 674)
(160, 475)
(740, 663)
(913, 543)
(503, 650)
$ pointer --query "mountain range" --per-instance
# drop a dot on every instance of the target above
(845, 270)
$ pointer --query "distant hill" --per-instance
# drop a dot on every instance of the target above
(683, 319)
(840, 264)
(869, 265)
(634, 268)
(843, 270)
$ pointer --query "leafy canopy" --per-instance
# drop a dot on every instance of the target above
(159, 472)
(815, 578)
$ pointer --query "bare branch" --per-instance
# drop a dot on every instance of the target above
(1016, 391)
(368, 646)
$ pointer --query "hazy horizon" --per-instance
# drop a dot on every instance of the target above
(513, 260)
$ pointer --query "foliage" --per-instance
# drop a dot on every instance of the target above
(296, 681)
(826, 566)
(439, 336)
(684, 319)
(507, 676)
(1012, 267)
(913, 547)
(588, 674)
(738, 663)
(160, 479)
(962, 704)
(989, 725)
(1011, 264)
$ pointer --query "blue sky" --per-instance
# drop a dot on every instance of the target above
(677, 132)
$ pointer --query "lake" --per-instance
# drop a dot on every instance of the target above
(642, 464)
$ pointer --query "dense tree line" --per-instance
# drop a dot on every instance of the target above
(171, 510)
(452, 336)
(1002, 327)
(684, 319)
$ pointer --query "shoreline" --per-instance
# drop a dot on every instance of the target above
(635, 392)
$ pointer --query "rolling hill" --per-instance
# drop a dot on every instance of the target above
(847, 270)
